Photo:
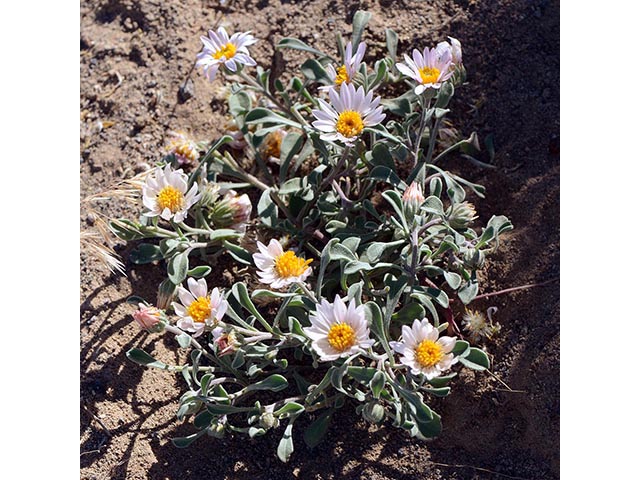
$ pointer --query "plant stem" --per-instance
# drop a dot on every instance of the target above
(513, 289)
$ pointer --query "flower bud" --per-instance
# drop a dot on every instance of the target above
(238, 142)
(149, 318)
(210, 194)
(413, 198)
(227, 343)
(461, 215)
(474, 259)
(232, 210)
(373, 412)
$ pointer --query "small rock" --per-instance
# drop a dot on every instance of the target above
(186, 91)
(91, 219)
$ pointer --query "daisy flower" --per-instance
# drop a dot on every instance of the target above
(338, 330)
(430, 68)
(423, 351)
(199, 309)
(165, 194)
(349, 112)
(219, 49)
(279, 268)
(347, 72)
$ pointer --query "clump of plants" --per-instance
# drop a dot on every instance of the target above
(360, 246)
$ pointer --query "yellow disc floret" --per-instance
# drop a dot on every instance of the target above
(200, 309)
(341, 336)
(288, 265)
(342, 75)
(171, 198)
(349, 123)
(228, 51)
(429, 74)
(428, 353)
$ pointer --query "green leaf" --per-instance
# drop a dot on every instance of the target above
(392, 43)
(275, 383)
(360, 20)
(338, 251)
(126, 229)
(271, 294)
(315, 432)
(267, 209)
(238, 253)
(264, 116)
(439, 382)
(178, 267)
(291, 144)
(314, 71)
(409, 313)
(461, 348)
(203, 419)
(376, 249)
(289, 409)
(362, 374)
(380, 156)
(199, 272)
(223, 409)
(145, 253)
(296, 44)
(468, 292)
(143, 358)
(377, 384)
(285, 447)
(183, 442)
(184, 340)
(385, 174)
(476, 359)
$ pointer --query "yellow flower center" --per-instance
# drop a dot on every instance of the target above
(349, 123)
(171, 198)
(428, 353)
(341, 336)
(288, 265)
(200, 309)
(228, 51)
(342, 75)
(429, 74)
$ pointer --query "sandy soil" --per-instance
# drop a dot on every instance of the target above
(135, 55)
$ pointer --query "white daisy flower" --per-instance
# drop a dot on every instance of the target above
(347, 72)
(423, 351)
(279, 268)
(338, 330)
(165, 194)
(198, 309)
(219, 49)
(349, 112)
(430, 68)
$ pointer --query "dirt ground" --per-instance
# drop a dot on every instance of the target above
(135, 55)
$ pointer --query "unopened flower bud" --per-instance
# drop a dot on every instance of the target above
(210, 194)
(227, 343)
(149, 318)
(373, 412)
(413, 198)
(462, 215)
(238, 142)
(232, 210)
(474, 259)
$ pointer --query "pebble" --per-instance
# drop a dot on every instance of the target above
(91, 219)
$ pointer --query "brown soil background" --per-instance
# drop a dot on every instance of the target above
(511, 52)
